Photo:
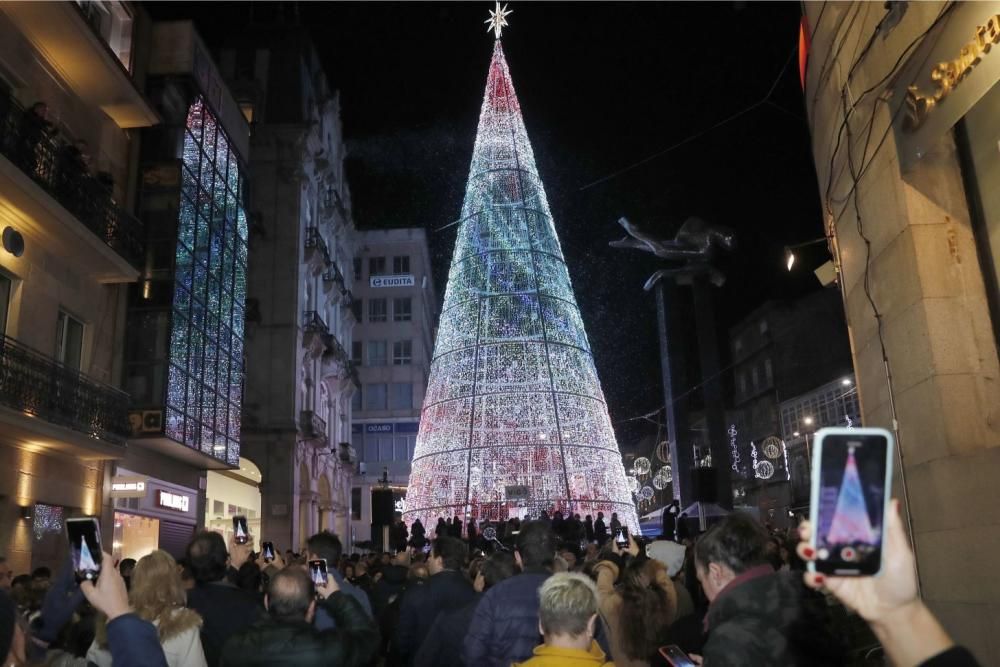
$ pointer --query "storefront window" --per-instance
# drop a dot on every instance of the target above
(135, 536)
(979, 139)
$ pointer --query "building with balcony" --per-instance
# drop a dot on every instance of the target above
(915, 229)
(396, 308)
(781, 350)
(184, 352)
(70, 105)
(299, 376)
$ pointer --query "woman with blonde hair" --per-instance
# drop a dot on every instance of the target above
(158, 596)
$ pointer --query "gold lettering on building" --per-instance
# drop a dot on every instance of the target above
(948, 75)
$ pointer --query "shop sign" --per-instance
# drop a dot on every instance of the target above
(173, 501)
(132, 486)
(956, 64)
(379, 428)
(392, 281)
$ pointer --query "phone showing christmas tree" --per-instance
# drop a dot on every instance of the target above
(851, 483)
(84, 535)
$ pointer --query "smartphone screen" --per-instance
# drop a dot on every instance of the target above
(267, 550)
(85, 546)
(241, 534)
(851, 482)
(318, 572)
(675, 656)
(622, 537)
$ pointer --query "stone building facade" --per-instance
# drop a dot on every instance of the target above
(299, 377)
(905, 134)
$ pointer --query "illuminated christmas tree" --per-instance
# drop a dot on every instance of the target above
(851, 524)
(514, 419)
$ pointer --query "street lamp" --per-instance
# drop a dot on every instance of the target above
(846, 382)
(790, 250)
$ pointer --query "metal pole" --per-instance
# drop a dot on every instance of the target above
(671, 368)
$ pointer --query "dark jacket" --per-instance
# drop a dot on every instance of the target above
(769, 618)
(443, 645)
(385, 589)
(422, 604)
(134, 642)
(271, 643)
(600, 531)
(504, 627)
(323, 620)
(225, 610)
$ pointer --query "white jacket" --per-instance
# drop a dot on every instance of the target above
(182, 650)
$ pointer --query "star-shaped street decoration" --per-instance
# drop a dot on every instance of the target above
(497, 20)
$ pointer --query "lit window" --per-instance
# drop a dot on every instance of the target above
(112, 21)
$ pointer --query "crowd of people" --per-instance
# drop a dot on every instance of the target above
(534, 596)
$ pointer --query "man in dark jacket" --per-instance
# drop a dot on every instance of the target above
(447, 588)
(443, 645)
(504, 627)
(390, 584)
(288, 636)
(757, 616)
(224, 608)
(600, 529)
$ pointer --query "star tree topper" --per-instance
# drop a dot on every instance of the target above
(497, 20)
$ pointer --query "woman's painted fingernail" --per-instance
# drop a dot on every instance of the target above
(820, 579)
(808, 552)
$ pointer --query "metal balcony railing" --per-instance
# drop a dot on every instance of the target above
(312, 426)
(60, 168)
(313, 323)
(314, 241)
(38, 385)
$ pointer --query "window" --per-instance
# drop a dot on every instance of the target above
(6, 286)
(375, 397)
(356, 399)
(377, 353)
(356, 503)
(385, 448)
(738, 345)
(402, 309)
(763, 326)
(402, 396)
(356, 352)
(401, 264)
(377, 310)
(742, 379)
(376, 266)
(357, 268)
(69, 341)
(402, 353)
(768, 371)
(113, 22)
(755, 378)
(356, 307)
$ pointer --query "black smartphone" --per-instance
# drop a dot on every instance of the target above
(621, 539)
(676, 656)
(267, 551)
(851, 483)
(84, 535)
(318, 572)
(241, 533)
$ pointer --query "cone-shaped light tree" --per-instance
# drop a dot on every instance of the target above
(514, 419)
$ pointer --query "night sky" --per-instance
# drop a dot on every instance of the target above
(602, 87)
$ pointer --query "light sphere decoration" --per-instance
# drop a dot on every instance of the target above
(663, 452)
(490, 533)
(646, 493)
(642, 466)
(764, 470)
(662, 478)
(512, 391)
(771, 447)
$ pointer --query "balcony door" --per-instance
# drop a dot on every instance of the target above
(69, 341)
(6, 287)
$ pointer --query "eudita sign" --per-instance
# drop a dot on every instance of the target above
(392, 281)
(173, 501)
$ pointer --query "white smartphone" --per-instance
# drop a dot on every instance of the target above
(851, 486)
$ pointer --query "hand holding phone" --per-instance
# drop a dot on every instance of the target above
(267, 551)
(241, 531)
(621, 539)
(851, 482)
(676, 656)
(84, 534)
(318, 572)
